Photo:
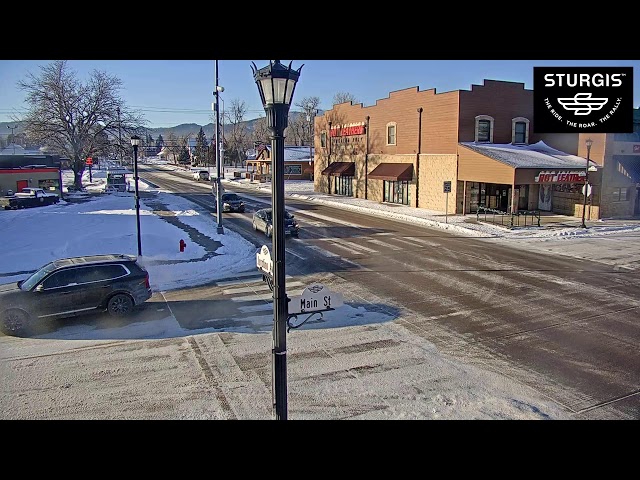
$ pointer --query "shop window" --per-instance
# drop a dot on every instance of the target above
(484, 129)
(391, 133)
(520, 131)
(343, 186)
(396, 192)
(620, 194)
(323, 139)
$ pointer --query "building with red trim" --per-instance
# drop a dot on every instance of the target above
(461, 150)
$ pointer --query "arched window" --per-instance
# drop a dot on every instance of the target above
(484, 129)
(520, 131)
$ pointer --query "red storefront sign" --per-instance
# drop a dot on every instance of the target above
(560, 177)
(348, 130)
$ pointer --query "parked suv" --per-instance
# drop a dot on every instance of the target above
(201, 175)
(69, 287)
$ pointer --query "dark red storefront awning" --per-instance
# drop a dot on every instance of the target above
(340, 169)
(393, 171)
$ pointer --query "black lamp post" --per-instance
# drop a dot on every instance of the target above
(588, 142)
(276, 84)
(135, 141)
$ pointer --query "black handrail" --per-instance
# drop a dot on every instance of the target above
(529, 217)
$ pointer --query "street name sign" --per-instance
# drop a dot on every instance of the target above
(315, 298)
(263, 260)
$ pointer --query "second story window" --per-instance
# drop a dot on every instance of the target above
(484, 128)
(323, 139)
(520, 131)
(391, 134)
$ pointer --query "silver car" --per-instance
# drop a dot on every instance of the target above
(262, 222)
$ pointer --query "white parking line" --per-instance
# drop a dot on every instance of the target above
(294, 254)
(357, 247)
(350, 250)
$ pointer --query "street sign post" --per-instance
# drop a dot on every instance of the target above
(315, 298)
(447, 189)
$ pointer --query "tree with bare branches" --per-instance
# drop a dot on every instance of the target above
(344, 97)
(75, 119)
(236, 136)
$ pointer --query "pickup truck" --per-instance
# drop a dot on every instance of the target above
(29, 197)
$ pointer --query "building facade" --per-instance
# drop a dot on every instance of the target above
(460, 150)
(36, 171)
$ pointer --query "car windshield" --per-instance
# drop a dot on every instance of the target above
(287, 215)
(230, 196)
(36, 277)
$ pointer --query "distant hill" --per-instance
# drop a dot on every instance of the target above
(179, 130)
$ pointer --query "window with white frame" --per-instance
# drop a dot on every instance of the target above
(520, 131)
(484, 129)
(391, 133)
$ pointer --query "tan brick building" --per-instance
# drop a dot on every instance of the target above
(481, 143)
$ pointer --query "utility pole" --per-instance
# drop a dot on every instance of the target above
(119, 135)
(13, 140)
(216, 92)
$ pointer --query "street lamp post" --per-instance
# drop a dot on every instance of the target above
(135, 141)
(588, 142)
(276, 85)
(216, 92)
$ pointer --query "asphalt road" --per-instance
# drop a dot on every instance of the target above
(566, 327)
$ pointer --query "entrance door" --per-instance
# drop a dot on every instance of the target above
(20, 184)
(636, 210)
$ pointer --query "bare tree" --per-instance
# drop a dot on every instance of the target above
(295, 131)
(309, 106)
(260, 132)
(344, 97)
(72, 118)
(236, 133)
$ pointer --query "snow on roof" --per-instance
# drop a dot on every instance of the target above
(294, 153)
(536, 155)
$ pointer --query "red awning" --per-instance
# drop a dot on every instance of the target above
(392, 171)
(340, 169)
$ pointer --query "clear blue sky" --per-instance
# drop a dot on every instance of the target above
(171, 92)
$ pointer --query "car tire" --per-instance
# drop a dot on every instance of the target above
(15, 322)
(255, 229)
(120, 305)
(267, 231)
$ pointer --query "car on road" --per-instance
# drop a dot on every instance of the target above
(262, 222)
(231, 202)
(201, 175)
(69, 287)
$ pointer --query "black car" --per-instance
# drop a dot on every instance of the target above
(69, 287)
(262, 221)
(231, 202)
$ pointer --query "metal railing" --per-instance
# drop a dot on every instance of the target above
(522, 218)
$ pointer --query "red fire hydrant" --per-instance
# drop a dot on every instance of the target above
(182, 245)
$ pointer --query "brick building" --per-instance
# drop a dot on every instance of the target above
(405, 147)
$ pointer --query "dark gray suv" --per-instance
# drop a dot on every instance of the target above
(69, 287)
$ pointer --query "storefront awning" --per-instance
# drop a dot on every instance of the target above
(393, 171)
(340, 169)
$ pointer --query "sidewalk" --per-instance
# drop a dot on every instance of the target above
(470, 224)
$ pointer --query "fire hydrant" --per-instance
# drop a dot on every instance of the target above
(182, 245)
